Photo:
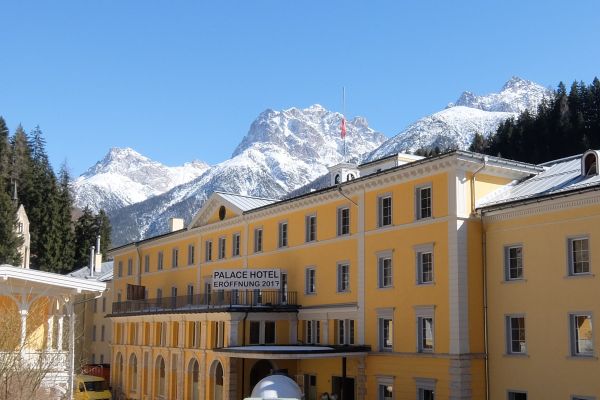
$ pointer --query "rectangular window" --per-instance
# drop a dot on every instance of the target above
(190, 294)
(147, 263)
(384, 211)
(424, 267)
(283, 234)
(208, 250)
(423, 202)
(425, 326)
(222, 244)
(269, 332)
(93, 333)
(517, 396)
(343, 277)
(254, 332)
(191, 254)
(313, 332)
(385, 392)
(579, 257)
(258, 240)
(343, 221)
(160, 260)
(120, 269)
(386, 334)
(515, 335)
(311, 284)
(581, 335)
(104, 304)
(426, 394)
(129, 266)
(159, 294)
(344, 331)
(95, 305)
(102, 333)
(235, 251)
(384, 268)
(174, 258)
(311, 228)
(513, 263)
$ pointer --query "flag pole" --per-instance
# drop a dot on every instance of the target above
(344, 117)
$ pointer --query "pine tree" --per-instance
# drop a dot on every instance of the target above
(65, 223)
(10, 240)
(4, 155)
(104, 230)
(85, 237)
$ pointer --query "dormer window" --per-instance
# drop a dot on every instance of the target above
(589, 163)
(337, 179)
(350, 177)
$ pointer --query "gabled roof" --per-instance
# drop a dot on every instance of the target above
(236, 202)
(559, 176)
(84, 272)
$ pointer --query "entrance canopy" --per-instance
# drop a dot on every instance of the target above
(293, 352)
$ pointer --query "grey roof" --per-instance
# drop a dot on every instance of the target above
(559, 176)
(246, 203)
(106, 272)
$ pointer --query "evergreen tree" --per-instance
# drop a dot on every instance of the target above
(10, 240)
(86, 231)
(4, 155)
(65, 223)
(478, 144)
(21, 165)
(104, 229)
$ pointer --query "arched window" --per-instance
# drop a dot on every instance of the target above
(337, 179)
(133, 369)
(590, 164)
(119, 372)
(193, 379)
(350, 177)
(160, 378)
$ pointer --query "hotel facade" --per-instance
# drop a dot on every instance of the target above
(459, 276)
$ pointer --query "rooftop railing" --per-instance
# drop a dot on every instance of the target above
(216, 300)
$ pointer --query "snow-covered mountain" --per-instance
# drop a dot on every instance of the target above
(125, 177)
(282, 151)
(457, 124)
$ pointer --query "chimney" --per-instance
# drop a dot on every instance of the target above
(98, 257)
(175, 224)
(92, 254)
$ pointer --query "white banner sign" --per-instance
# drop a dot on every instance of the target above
(242, 279)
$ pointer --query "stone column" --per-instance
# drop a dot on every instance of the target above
(230, 379)
(361, 379)
(50, 332)
(325, 332)
(59, 339)
(24, 312)
(293, 331)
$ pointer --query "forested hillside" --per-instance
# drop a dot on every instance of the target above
(568, 123)
(58, 242)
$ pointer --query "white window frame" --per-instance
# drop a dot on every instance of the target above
(236, 244)
(381, 269)
(380, 216)
(310, 282)
(570, 259)
(509, 338)
(208, 247)
(341, 231)
(313, 331)
(383, 383)
(310, 222)
(222, 248)
(418, 197)
(191, 254)
(160, 263)
(120, 268)
(147, 263)
(258, 239)
(345, 331)
(420, 251)
(573, 334)
(129, 266)
(174, 257)
(507, 262)
(343, 277)
(421, 314)
(423, 384)
(383, 315)
(283, 234)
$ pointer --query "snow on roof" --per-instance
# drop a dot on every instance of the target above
(559, 176)
(246, 203)
(84, 272)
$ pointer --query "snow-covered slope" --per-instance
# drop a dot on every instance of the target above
(282, 151)
(125, 177)
(455, 126)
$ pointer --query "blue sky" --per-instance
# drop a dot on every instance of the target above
(183, 80)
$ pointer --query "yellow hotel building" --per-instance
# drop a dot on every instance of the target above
(458, 276)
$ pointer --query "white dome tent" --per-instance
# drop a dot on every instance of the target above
(276, 387)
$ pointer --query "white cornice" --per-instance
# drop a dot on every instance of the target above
(544, 206)
(35, 277)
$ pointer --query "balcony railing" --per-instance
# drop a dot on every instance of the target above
(222, 300)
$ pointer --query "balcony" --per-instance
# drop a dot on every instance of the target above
(228, 301)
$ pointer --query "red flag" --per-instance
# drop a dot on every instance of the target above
(343, 127)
